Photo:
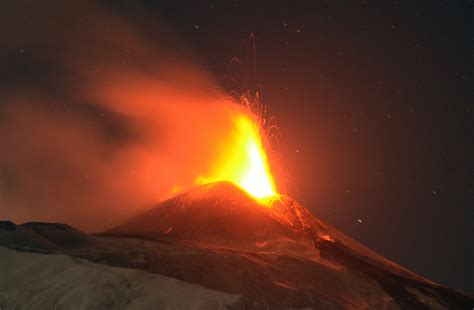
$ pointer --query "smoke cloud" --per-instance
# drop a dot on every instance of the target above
(101, 114)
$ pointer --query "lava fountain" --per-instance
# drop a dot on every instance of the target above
(243, 161)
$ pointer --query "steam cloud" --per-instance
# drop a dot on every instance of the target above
(101, 115)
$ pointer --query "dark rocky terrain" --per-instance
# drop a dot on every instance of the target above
(220, 238)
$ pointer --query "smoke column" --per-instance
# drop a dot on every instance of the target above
(101, 114)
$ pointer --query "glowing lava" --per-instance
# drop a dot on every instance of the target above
(243, 161)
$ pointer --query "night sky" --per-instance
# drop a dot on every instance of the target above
(373, 100)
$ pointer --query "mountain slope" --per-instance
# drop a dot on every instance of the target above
(279, 257)
(34, 281)
(295, 243)
(218, 213)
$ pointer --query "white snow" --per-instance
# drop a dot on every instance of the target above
(38, 281)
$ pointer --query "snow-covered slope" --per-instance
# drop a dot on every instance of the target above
(36, 281)
(218, 237)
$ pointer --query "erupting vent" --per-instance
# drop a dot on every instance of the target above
(243, 161)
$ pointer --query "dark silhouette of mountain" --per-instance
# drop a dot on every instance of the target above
(274, 257)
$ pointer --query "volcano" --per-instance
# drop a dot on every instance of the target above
(216, 213)
(219, 238)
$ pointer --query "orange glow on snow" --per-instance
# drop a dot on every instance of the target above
(243, 161)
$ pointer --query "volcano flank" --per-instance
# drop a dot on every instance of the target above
(266, 256)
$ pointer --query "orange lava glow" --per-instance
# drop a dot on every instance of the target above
(243, 161)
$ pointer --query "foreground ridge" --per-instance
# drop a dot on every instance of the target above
(219, 237)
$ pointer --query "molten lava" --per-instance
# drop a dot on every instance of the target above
(243, 161)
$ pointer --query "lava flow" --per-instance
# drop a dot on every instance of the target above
(243, 161)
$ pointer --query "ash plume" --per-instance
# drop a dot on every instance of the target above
(101, 114)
